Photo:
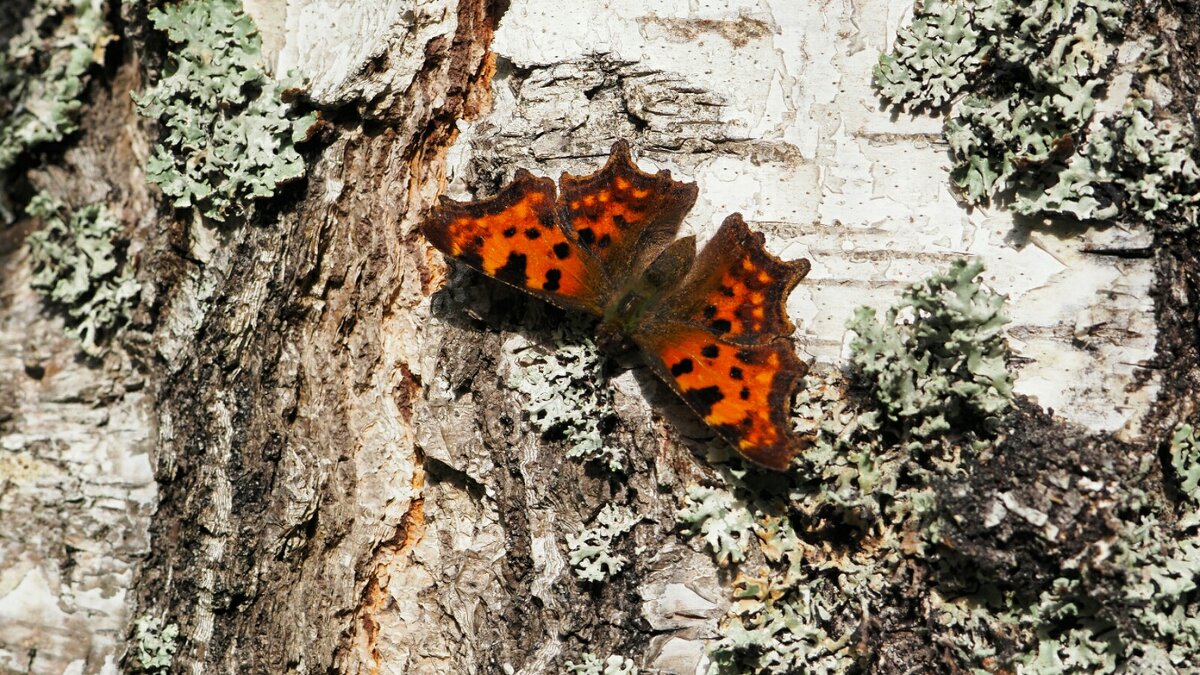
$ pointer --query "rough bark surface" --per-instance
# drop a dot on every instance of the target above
(302, 450)
(77, 487)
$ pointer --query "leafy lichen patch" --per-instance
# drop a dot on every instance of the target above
(229, 138)
(566, 392)
(43, 72)
(592, 558)
(1185, 461)
(1029, 131)
(79, 268)
(939, 355)
(155, 645)
(590, 664)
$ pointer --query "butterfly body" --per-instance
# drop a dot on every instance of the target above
(711, 324)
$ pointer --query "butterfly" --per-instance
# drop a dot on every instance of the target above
(711, 325)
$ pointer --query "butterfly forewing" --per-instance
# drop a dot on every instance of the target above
(623, 215)
(517, 237)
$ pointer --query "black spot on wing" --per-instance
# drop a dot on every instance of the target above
(587, 236)
(710, 311)
(684, 366)
(509, 232)
(603, 241)
(704, 399)
(721, 325)
(552, 278)
(533, 233)
(514, 269)
(735, 373)
(562, 250)
(710, 351)
(745, 394)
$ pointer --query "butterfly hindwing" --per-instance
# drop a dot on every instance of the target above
(517, 237)
(736, 288)
(743, 392)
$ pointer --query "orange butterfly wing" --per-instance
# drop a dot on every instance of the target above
(719, 340)
(622, 215)
(575, 249)
(736, 288)
(517, 237)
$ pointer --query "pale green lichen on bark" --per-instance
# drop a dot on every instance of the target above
(229, 138)
(590, 549)
(43, 72)
(1027, 134)
(939, 354)
(155, 645)
(78, 267)
(566, 393)
(590, 664)
(1185, 461)
(1149, 622)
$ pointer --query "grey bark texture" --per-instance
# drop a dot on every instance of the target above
(310, 466)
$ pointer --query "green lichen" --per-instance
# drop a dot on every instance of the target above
(594, 665)
(567, 393)
(1146, 622)
(591, 549)
(228, 136)
(938, 358)
(155, 645)
(43, 72)
(715, 516)
(79, 268)
(1185, 461)
(1028, 133)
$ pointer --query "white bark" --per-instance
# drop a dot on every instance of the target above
(77, 492)
(799, 144)
(766, 104)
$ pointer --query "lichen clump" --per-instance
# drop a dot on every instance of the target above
(590, 664)
(939, 355)
(1027, 132)
(567, 393)
(43, 72)
(79, 268)
(1185, 461)
(591, 553)
(229, 137)
(155, 645)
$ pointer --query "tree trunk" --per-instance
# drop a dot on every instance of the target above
(304, 448)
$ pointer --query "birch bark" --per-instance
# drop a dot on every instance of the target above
(308, 465)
